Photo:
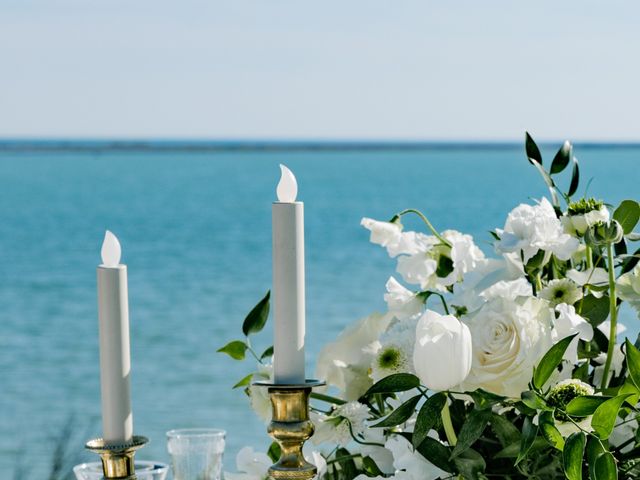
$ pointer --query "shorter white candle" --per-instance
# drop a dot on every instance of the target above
(115, 359)
(288, 282)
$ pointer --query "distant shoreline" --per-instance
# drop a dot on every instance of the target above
(105, 146)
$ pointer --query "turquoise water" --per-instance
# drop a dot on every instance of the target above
(195, 229)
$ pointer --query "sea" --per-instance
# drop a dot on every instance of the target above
(194, 222)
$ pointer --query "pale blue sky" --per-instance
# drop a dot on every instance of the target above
(331, 69)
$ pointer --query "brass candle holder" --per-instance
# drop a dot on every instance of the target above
(290, 427)
(117, 459)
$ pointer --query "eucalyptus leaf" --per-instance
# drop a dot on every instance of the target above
(504, 430)
(529, 433)
(606, 467)
(267, 353)
(257, 318)
(575, 178)
(594, 449)
(627, 214)
(470, 464)
(533, 400)
(436, 453)
(244, 381)
(483, 399)
(400, 414)
(398, 382)
(533, 152)
(633, 362)
(562, 159)
(550, 361)
(585, 405)
(428, 417)
(572, 456)
(594, 309)
(549, 431)
(471, 430)
(235, 349)
(604, 418)
(370, 467)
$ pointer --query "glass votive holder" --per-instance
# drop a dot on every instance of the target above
(196, 453)
(145, 470)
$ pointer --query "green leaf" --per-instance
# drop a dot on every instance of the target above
(535, 262)
(549, 430)
(470, 464)
(235, 349)
(370, 467)
(575, 178)
(533, 400)
(627, 214)
(595, 310)
(505, 431)
(606, 467)
(529, 433)
(257, 318)
(398, 382)
(594, 449)
(629, 387)
(533, 152)
(436, 453)
(400, 414)
(471, 430)
(445, 266)
(630, 262)
(483, 399)
(267, 353)
(572, 456)
(244, 382)
(633, 362)
(604, 418)
(550, 361)
(562, 159)
(513, 450)
(347, 463)
(585, 405)
(428, 417)
(274, 452)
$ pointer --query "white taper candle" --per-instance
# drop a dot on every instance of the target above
(115, 359)
(288, 282)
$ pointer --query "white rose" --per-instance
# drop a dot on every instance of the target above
(529, 229)
(509, 338)
(442, 353)
(345, 363)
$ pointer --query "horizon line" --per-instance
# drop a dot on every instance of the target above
(262, 144)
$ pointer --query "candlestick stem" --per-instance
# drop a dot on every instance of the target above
(117, 459)
(291, 428)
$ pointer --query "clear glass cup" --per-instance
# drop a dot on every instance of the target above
(144, 470)
(196, 453)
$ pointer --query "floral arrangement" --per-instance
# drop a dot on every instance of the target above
(504, 367)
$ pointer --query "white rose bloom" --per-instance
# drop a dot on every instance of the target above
(345, 363)
(567, 323)
(409, 464)
(402, 302)
(578, 224)
(509, 338)
(442, 353)
(629, 287)
(251, 465)
(337, 427)
(529, 229)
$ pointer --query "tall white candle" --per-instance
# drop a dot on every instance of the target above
(288, 282)
(115, 359)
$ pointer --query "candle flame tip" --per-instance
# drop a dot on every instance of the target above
(111, 250)
(287, 189)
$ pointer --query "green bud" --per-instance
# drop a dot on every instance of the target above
(604, 233)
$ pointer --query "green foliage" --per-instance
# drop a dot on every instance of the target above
(627, 214)
(399, 382)
(436, 453)
(529, 433)
(550, 361)
(471, 430)
(235, 349)
(428, 417)
(257, 318)
(572, 455)
(604, 418)
(400, 414)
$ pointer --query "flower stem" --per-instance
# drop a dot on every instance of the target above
(589, 256)
(427, 222)
(448, 426)
(613, 316)
(327, 398)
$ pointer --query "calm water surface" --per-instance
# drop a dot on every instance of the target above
(195, 230)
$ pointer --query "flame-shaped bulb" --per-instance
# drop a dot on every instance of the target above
(287, 186)
(111, 250)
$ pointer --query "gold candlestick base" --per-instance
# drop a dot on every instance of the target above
(117, 459)
(290, 427)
